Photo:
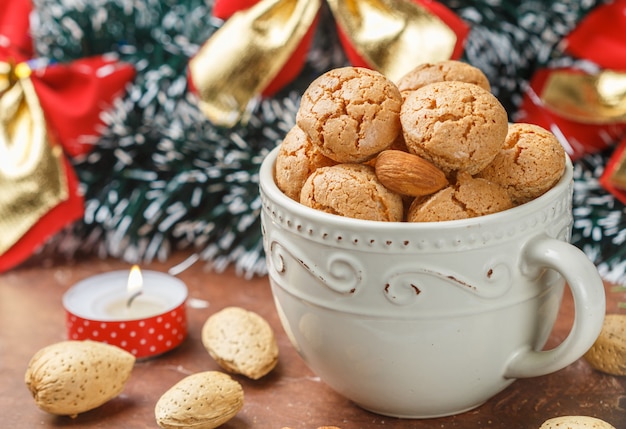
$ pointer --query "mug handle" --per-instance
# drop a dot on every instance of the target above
(587, 290)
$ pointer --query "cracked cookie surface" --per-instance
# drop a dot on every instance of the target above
(351, 190)
(442, 71)
(468, 197)
(297, 158)
(351, 113)
(457, 126)
(531, 161)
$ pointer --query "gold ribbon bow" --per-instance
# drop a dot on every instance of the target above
(32, 178)
(250, 49)
(598, 98)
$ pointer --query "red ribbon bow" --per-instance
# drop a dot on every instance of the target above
(72, 98)
(568, 101)
(224, 9)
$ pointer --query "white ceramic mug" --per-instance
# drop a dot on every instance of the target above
(420, 320)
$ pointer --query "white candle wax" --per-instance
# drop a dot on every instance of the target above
(105, 296)
(139, 308)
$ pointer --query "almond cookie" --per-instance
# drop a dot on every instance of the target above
(530, 162)
(468, 197)
(457, 126)
(241, 342)
(351, 190)
(297, 158)
(442, 71)
(351, 113)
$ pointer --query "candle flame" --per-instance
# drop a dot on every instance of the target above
(135, 280)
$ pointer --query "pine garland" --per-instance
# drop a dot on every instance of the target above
(162, 177)
(599, 219)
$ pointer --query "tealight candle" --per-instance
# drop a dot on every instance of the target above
(143, 313)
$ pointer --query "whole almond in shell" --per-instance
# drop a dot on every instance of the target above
(575, 422)
(204, 400)
(608, 353)
(408, 174)
(71, 377)
(241, 342)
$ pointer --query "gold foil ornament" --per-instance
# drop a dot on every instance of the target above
(394, 36)
(587, 98)
(246, 53)
(238, 62)
(32, 175)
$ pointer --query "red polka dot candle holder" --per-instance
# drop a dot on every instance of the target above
(140, 312)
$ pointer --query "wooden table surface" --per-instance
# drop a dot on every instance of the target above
(32, 316)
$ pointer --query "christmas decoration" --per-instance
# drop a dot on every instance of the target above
(262, 46)
(584, 102)
(599, 218)
(613, 179)
(162, 176)
(45, 109)
(579, 93)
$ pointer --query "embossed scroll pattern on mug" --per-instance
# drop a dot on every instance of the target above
(340, 268)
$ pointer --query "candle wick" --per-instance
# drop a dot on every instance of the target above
(132, 298)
